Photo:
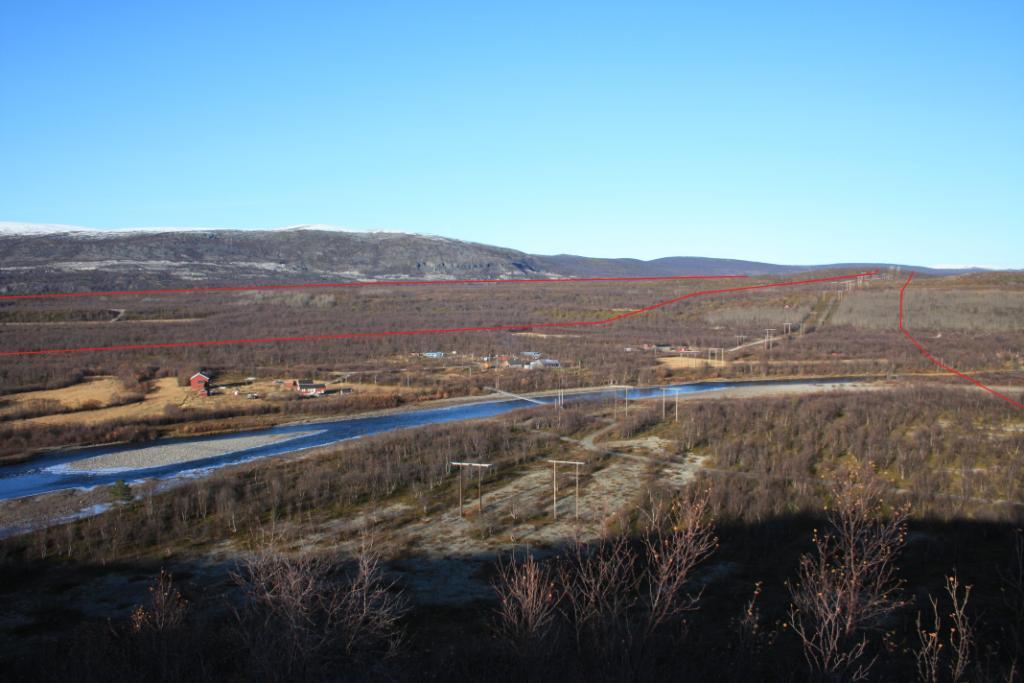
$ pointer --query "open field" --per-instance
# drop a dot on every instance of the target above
(165, 392)
(690, 363)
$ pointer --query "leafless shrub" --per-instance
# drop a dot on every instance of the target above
(751, 635)
(155, 644)
(1013, 590)
(847, 585)
(960, 638)
(600, 586)
(528, 604)
(299, 617)
(166, 611)
(961, 634)
(929, 651)
(618, 595)
(674, 547)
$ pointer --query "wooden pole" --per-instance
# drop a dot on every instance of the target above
(554, 485)
(479, 484)
(577, 491)
(554, 491)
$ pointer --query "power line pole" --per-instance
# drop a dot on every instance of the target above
(554, 485)
(480, 467)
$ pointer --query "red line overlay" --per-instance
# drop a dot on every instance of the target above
(360, 283)
(939, 363)
(398, 333)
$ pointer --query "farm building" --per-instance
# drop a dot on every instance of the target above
(200, 383)
(308, 387)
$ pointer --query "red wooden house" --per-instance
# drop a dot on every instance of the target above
(200, 383)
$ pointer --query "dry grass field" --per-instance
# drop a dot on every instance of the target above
(95, 392)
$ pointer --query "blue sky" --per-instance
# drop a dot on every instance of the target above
(788, 132)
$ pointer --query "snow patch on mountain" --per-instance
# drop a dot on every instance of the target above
(20, 228)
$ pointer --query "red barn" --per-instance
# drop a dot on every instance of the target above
(200, 383)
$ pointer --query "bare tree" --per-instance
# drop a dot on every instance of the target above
(298, 616)
(156, 644)
(752, 637)
(600, 587)
(929, 652)
(528, 604)
(961, 633)
(848, 584)
(1013, 592)
(960, 638)
(678, 541)
(167, 608)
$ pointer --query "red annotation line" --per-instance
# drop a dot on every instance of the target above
(398, 333)
(360, 283)
(939, 363)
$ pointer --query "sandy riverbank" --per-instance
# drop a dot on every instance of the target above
(175, 453)
(768, 390)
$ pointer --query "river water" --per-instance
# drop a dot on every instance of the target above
(49, 472)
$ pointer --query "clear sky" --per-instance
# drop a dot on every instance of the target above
(779, 131)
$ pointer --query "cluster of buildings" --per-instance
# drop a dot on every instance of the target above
(662, 348)
(201, 384)
(307, 387)
(525, 360)
(436, 355)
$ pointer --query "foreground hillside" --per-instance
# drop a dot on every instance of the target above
(722, 544)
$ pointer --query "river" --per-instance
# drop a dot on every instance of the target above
(52, 471)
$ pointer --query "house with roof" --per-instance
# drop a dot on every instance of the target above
(307, 387)
(200, 383)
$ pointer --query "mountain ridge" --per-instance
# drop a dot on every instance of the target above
(43, 257)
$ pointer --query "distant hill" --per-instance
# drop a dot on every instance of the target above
(35, 258)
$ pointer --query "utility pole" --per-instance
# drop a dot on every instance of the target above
(677, 406)
(768, 339)
(554, 485)
(480, 467)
